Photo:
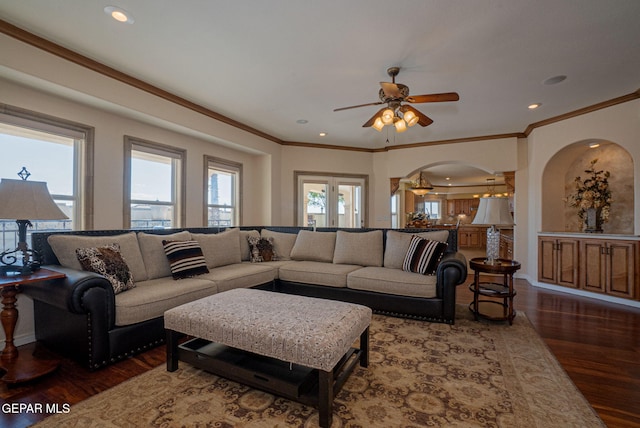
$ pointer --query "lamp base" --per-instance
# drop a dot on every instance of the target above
(493, 245)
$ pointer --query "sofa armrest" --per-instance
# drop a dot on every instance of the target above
(452, 271)
(74, 293)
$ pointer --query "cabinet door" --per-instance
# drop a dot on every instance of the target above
(451, 208)
(547, 260)
(567, 262)
(593, 266)
(621, 269)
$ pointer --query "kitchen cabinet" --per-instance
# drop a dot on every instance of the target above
(472, 237)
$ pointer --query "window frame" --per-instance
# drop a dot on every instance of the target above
(179, 177)
(83, 154)
(212, 162)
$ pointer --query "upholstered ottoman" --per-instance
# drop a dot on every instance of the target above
(297, 347)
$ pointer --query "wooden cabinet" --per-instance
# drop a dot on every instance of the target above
(558, 261)
(472, 237)
(608, 266)
(462, 206)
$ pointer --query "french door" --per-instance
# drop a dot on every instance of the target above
(331, 201)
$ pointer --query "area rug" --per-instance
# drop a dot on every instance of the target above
(471, 374)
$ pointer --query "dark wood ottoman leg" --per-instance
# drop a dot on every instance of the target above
(172, 350)
(325, 398)
(364, 348)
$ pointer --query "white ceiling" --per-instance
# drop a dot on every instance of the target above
(269, 63)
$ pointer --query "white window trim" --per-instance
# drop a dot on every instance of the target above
(83, 155)
(134, 143)
(223, 165)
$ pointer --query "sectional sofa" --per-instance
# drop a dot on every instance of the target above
(88, 317)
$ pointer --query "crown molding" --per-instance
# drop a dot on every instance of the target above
(69, 55)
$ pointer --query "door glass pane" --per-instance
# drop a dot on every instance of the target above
(315, 204)
(349, 209)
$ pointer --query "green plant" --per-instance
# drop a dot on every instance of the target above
(592, 192)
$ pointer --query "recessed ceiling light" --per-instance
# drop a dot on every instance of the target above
(323, 134)
(594, 145)
(534, 106)
(302, 121)
(119, 14)
(555, 80)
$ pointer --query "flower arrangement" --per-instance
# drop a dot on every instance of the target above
(592, 192)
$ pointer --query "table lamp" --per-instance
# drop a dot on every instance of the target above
(494, 212)
(23, 201)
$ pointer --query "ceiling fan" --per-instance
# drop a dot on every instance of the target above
(400, 115)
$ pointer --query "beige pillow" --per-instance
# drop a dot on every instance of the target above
(155, 259)
(220, 249)
(359, 248)
(398, 244)
(245, 251)
(282, 242)
(64, 247)
(314, 246)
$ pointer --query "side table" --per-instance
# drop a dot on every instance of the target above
(491, 308)
(21, 365)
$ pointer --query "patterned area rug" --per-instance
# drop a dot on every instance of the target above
(471, 374)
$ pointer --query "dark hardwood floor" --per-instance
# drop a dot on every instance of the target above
(597, 343)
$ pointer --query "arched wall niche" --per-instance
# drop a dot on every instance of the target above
(558, 183)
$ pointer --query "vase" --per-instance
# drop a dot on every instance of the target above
(593, 220)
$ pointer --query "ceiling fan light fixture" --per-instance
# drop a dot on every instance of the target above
(400, 125)
(387, 116)
(411, 118)
(378, 124)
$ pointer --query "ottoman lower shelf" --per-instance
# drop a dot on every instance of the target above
(249, 369)
(292, 381)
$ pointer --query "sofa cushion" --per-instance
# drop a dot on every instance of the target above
(220, 249)
(155, 260)
(393, 281)
(317, 273)
(423, 255)
(314, 246)
(185, 258)
(108, 262)
(261, 249)
(241, 275)
(150, 299)
(64, 247)
(398, 244)
(245, 251)
(359, 248)
(282, 242)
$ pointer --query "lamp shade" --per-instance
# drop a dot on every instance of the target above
(493, 211)
(27, 200)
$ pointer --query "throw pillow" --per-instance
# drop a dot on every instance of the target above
(108, 262)
(220, 249)
(185, 258)
(262, 249)
(314, 246)
(423, 255)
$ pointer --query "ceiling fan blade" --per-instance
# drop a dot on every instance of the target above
(361, 105)
(373, 118)
(423, 119)
(433, 98)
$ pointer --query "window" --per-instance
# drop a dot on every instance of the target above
(153, 185)
(432, 209)
(330, 200)
(55, 151)
(222, 186)
(395, 202)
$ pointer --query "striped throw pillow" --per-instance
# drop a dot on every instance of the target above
(423, 255)
(185, 258)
